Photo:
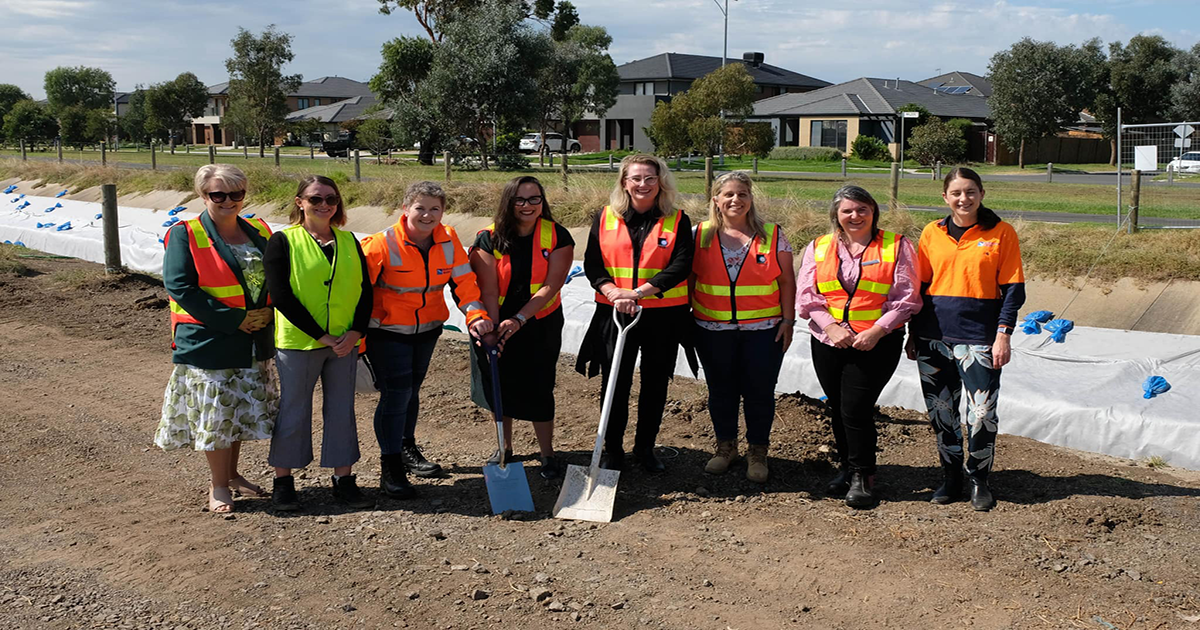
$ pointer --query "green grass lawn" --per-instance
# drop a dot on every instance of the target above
(1024, 196)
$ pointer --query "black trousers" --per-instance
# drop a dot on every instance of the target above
(656, 339)
(852, 380)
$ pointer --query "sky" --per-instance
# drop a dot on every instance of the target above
(148, 41)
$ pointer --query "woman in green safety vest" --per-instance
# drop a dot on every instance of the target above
(318, 280)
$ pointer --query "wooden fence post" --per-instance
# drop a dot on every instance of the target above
(212, 154)
(843, 168)
(276, 157)
(112, 235)
(756, 165)
(708, 177)
(1049, 172)
(23, 156)
(894, 188)
(446, 162)
(153, 157)
(1135, 187)
(59, 143)
(103, 153)
(357, 167)
(564, 171)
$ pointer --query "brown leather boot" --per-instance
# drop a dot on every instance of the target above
(726, 455)
(756, 463)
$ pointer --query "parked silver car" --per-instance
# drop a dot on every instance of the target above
(532, 143)
(1186, 163)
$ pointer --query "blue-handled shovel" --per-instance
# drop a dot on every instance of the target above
(507, 485)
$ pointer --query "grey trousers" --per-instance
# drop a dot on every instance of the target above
(291, 444)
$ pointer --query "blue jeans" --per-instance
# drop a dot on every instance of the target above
(741, 368)
(400, 368)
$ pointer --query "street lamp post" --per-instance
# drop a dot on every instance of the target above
(724, 57)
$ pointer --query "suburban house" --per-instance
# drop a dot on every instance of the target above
(647, 81)
(834, 116)
(324, 91)
(960, 83)
(333, 116)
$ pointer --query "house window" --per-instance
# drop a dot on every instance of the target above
(316, 102)
(643, 88)
(302, 103)
(828, 133)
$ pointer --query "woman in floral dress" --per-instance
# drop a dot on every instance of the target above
(223, 389)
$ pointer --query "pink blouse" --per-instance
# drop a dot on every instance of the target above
(903, 300)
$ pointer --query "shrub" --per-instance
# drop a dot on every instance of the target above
(812, 154)
(935, 141)
(751, 139)
(869, 148)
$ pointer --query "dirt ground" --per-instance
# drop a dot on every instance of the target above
(103, 530)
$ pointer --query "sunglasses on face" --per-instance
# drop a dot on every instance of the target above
(316, 200)
(535, 200)
(219, 197)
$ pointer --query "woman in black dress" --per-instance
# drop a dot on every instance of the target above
(521, 262)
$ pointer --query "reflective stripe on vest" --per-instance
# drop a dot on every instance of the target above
(754, 296)
(410, 300)
(862, 307)
(214, 276)
(329, 291)
(617, 251)
(544, 240)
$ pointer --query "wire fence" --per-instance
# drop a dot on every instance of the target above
(1167, 156)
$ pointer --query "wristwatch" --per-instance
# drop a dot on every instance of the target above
(520, 318)
(639, 293)
(1008, 330)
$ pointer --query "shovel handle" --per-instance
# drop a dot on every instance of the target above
(493, 354)
(611, 390)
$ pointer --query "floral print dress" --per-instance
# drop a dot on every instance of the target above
(209, 410)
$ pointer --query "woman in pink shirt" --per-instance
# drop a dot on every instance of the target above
(858, 286)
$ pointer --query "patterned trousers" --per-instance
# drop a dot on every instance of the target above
(946, 369)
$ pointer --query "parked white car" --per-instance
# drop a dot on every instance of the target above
(1186, 163)
(532, 143)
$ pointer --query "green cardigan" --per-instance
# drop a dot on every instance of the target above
(218, 344)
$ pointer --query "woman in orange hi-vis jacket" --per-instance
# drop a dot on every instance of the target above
(522, 260)
(224, 388)
(639, 253)
(857, 286)
(410, 265)
(744, 300)
(973, 285)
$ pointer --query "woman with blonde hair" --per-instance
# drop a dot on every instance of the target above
(223, 389)
(639, 255)
(317, 276)
(743, 292)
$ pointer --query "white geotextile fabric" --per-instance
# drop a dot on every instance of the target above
(1085, 393)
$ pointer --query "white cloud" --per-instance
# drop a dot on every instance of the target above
(47, 9)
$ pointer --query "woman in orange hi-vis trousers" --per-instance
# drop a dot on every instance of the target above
(410, 265)
(224, 388)
(973, 285)
(857, 286)
(743, 299)
(639, 253)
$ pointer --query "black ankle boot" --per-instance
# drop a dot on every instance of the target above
(981, 496)
(415, 460)
(393, 478)
(649, 460)
(840, 484)
(952, 485)
(283, 494)
(612, 460)
(861, 494)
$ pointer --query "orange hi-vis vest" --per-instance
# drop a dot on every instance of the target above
(864, 305)
(215, 277)
(408, 297)
(617, 251)
(544, 240)
(753, 297)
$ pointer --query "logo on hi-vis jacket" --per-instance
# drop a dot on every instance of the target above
(546, 253)
(762, 258)
(662, 242)
(442, 272)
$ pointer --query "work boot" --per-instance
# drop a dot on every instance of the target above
(981, 496)
(649, 460)
(345, 489)
(756, 463)
(952, 485)
(612, 460)
(283, 494)
(552, 467)
(726, 455)
(861, 494)
(840, 484)
(416, 462)
(393, 478)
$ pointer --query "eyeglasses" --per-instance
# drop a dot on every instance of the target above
(316, 200)
(643, 181)
(535, 200)
(219, 197)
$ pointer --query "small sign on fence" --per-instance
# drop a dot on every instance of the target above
(1145, 158)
